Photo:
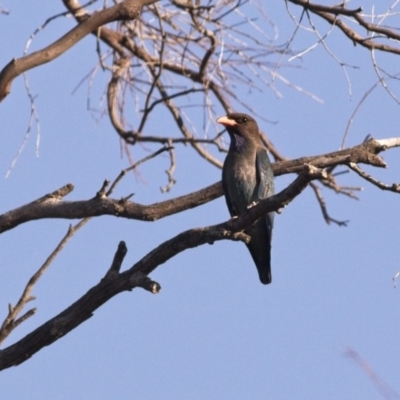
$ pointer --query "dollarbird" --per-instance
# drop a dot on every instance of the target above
(247, 177)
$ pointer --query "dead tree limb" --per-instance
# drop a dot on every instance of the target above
(51, 206)
(115, 282)
(126, 10)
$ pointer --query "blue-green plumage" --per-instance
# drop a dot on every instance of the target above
(247, 177)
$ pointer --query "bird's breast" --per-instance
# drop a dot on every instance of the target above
(240, 181)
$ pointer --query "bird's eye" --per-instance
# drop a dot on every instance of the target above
(244, 120)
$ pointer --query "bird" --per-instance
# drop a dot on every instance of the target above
(247, 177)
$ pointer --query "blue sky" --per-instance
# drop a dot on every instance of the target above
(214, 331)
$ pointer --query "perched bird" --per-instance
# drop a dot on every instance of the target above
(247, 177)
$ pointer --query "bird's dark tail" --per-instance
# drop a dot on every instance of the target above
(263, 264)
(260, 249)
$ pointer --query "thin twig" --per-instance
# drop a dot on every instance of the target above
(380, 385)
(395, 187)
(321, 201)
(170, 170)
(132, 167)
(10, 323)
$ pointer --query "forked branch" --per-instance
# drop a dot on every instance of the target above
(333, 14)
(115, 282)
(51, 206)
(126, 10)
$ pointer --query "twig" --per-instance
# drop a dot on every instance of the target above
(10, 323)
(4, 11)
(395, 279)
(117, 262)
(380, 385)
(156, 75)
(351, 119)
(332, 16)
(395, 187)
(321, 201)
(33, 118)
(170, 170)
(132, 167)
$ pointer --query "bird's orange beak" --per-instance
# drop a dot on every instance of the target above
(226, 121)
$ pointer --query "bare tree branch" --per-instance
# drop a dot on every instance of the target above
(11, 321)
(205, 57)
(50, 205)
(332, 15)
(115, 282)
(328, 219)
(134, 166)
(127, 9)
(178, 57)
(395, 187)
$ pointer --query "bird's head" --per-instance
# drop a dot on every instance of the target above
(241, 127)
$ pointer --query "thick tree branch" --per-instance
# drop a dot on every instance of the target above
(101, 205)
(365, 153)
(126, 10)
(50, 206)
(114, 282)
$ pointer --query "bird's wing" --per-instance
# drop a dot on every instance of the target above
(265, 175)
(226, 191)
(265, 181)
